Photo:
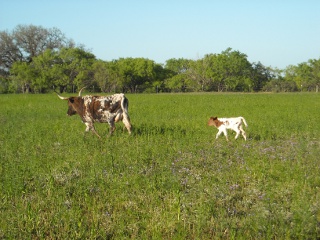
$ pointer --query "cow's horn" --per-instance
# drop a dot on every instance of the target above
(63, 98)
(81, 91)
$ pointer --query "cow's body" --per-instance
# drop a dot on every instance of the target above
(228, 123)
(103, 109)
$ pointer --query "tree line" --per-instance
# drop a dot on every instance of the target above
(39, 60)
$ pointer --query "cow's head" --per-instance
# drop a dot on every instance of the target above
(75, 104)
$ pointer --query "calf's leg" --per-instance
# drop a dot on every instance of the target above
(224, 131)
(243, 133)
(226, 134)
(238, 132)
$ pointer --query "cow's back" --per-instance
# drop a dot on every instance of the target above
(103, 108)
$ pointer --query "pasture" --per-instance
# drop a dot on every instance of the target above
(170, 179)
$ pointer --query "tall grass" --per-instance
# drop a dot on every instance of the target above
(170, 179)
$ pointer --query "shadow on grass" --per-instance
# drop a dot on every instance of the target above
(148, 129)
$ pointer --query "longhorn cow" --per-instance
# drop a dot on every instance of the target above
(103, 109)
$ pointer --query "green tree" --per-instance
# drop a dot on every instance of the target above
(178, 83)
(201, 72)
(280, 84)
(300, 74)
(228, 71)
(136, 74)
(260, 76)
(9, 52)
(23, 75)
(158, 85)
(106, 76)
(314, 82)
(178, 66)
(28, 41)
(69, 67)
(43, 66)
(232, 70)
(73, 68)
(178, 79)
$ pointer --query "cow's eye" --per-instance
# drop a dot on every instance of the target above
(71, 100)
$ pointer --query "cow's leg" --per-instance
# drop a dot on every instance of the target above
(91, 127)
(127, 123)
(112, 127)
(125, 119)
(95, 132)
(88, 126)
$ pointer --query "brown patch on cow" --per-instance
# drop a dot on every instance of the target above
(107, 104)
(213, 121)
(94, 109)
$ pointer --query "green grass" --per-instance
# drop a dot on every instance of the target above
(170, 179)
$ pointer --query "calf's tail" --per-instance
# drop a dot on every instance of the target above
(244, 121)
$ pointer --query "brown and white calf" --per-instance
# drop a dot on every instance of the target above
(223, 124)
(103, 109)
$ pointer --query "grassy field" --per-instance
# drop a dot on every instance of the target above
(170, 179)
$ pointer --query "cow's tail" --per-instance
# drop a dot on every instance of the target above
(125, 106)
(244, 121)
(125, 114)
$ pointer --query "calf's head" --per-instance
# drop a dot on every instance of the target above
(213, 121)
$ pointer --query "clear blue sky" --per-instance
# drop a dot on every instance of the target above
(277, 33)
